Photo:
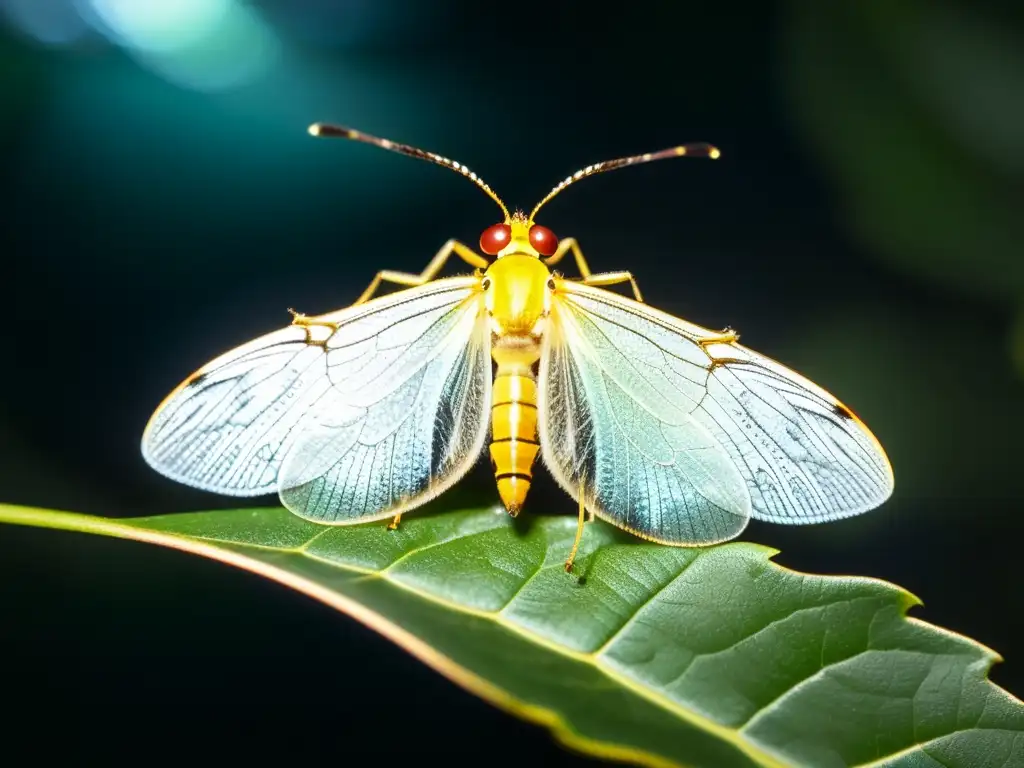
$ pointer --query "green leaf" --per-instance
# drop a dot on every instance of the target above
(663, 656)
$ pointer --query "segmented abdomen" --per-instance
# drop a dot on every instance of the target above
(514, 442)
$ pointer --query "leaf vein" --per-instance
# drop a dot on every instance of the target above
(632, 618)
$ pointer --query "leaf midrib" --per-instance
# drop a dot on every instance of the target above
(733, 735)
(592, 658)
(72, 521)
(234, 553)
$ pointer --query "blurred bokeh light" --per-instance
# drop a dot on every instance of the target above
(208, 45)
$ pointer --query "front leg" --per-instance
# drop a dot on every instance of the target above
(429, 272)
(569, 245)
(406, 279)
(565, 245)
(615, 278)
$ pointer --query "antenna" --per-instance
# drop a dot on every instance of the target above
(341, 132)
(700, 149)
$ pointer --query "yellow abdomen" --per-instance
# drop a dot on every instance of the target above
(514, 443)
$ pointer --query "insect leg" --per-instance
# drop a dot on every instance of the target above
(565, 245)
(579, 530)
(429, 272)
(389, 276)
(605, 278)
(393, 525)
(614, 278)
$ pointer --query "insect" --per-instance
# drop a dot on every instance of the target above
(673, 432)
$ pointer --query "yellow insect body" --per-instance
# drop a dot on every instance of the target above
(517, 296)
(668, 430)
(514, 440)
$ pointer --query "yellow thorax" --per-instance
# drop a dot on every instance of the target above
(517, 290)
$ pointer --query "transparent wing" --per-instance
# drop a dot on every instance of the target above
(235, 425)
(615, 410)
(803, 456)
(409, 418)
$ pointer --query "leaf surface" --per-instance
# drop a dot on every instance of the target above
(711, 657)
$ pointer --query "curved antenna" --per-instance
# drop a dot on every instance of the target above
(700, 149)
(341, 132)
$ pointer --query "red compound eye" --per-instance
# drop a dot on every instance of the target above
(543, 239)
(495, 238)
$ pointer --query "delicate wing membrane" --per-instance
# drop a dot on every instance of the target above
(803, 457)
(806, 457)
(615, 412)
(322, 415)
(403, 436)
(224, 428)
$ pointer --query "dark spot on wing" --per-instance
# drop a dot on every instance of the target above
(841, 410)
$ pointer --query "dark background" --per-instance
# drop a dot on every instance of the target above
(163, 202)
